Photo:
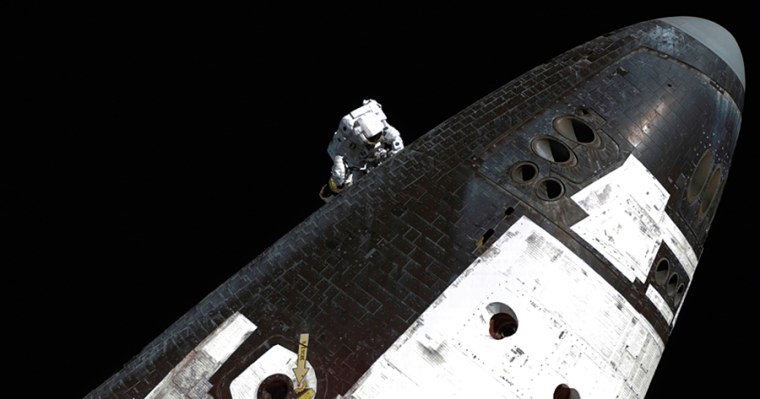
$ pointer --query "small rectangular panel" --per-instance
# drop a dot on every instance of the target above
(659, 303)
(228, 337)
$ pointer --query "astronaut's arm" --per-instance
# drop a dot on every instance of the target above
(392, 140)
(341, 175)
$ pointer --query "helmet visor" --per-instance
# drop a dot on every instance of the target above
(375, 139)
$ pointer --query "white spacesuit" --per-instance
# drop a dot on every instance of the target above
(364, 139)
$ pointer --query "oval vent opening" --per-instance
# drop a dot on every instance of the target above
(679, 294)
(700, 176)
(552, 150)
(710, 193)
(672, 284)
(575, 130)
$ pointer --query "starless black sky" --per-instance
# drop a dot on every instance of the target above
(188, 141)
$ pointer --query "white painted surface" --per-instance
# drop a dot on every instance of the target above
(277, 360)
(627, 221)
(189, 378)
(679, 245)
(227, 339)
(574, 328)
(660, 303)
(678, 310)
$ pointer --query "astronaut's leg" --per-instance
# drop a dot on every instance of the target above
(341, 177)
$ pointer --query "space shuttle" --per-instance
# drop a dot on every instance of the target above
(538, 244)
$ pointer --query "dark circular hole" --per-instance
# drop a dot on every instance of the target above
(670, 85)
(502, 325)
(582, 111)
(509, 211)
(661, 271)
(552, 150)
(276, 386)
(550, 189)
(503, 321)
(277, 390)
(524, 172)
(565, 392)
(672, 284)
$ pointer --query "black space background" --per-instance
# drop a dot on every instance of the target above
(160, 150)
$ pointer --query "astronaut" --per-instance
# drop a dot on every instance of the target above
(364, 140)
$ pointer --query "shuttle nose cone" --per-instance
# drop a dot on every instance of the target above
(715, 37)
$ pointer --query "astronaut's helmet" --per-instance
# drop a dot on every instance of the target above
(370, 128)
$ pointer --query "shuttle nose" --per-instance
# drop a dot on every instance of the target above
(715, 37)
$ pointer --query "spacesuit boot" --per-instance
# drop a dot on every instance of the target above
(326, 194)
(330, 190)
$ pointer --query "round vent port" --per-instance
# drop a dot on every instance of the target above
(565, 392)
(503, 321)
(276, 386)
(524, 172)
(550, 189)
(661, 271)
